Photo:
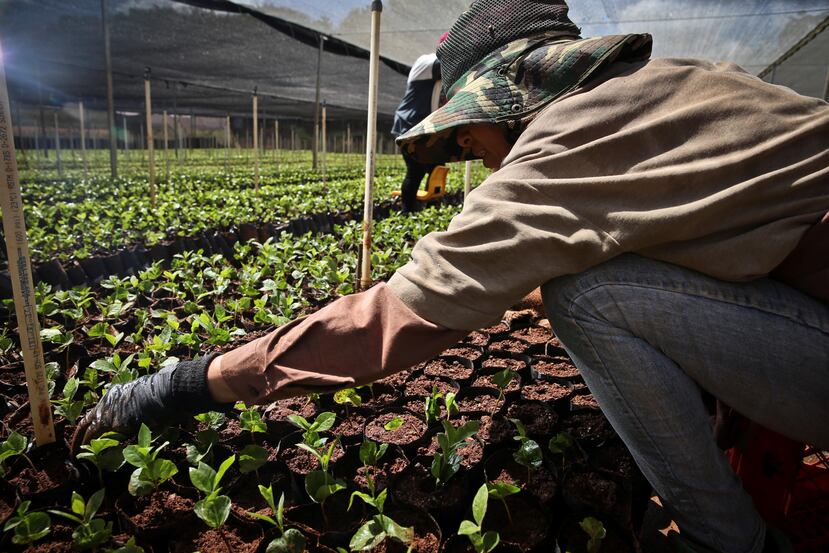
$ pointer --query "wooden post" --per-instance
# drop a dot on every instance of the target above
(126, 139)
(255, 141)
(83, 140)
(467, 180)
(275, 139)
(227, 143)
(371, 138)
(113, 153)
(141, 145)
(324, 141)
(58, 161)
(148, 106)
(166, 150)
(20, 273)
(293, 138)
(317, 107)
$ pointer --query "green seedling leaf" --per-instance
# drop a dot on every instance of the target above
(529, 454)
(292, 541)
(501, 490)
(348, 396)
(371, 453)
(479, 505)
(594, 528)
(252, 458)
(394, 424)
(320, 484)
(213, 510)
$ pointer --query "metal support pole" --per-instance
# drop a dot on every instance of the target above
(58, 162)
(83, 140)
(317, 106)
(113, 153)
(255, 141)
(467, 180)
(166, 150)
(148, 106)
(20, 273)
(371, 137)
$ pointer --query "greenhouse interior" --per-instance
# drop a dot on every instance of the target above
(414, 276)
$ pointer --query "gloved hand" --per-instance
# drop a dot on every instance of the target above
(168, 396)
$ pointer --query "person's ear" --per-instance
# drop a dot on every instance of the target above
(464, 137)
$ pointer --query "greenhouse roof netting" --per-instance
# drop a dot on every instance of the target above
(209, 61)
(209, 55)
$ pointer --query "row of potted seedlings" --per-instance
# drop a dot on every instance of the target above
(496, 443)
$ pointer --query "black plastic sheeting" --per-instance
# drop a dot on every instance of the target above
(207, 61)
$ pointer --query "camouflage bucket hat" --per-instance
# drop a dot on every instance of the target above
(517, 78)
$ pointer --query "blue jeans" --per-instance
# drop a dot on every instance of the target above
(647, 336)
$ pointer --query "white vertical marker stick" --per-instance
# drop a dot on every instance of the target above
(371, 143)
(20, 272)
(467, 180)
(166, 149)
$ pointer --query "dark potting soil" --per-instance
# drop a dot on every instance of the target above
(302, 462)
(409, 432)
(50, 473)
(277, 411)
(533, 335)
(426, 535)
(485, 381)
(422, 386)
(58, 540)
(540, 482)
(448, 369)
(480, 403)
(556, 367)
(389, 467)
(510, 345)
(161, 508)
(500, 328)
(378, 395)
(351, 426)
(581, 402)
(495, 430)
(589, 490)
(471, 454)
(525, 526)
(476, 339)
(554, 342)
(572, 538)
(417, 487)
(541, 390)
(465, 352)
(539, 418)
(228, 539)
(396, 380)
(497, 363)
(615, 459)
(588, 426)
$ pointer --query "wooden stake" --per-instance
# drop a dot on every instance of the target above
(20, 273)
(255, 141)
(275, 139)
(371, 139)
(324, 141)
(58, 162)
(166, 150)
(316, 144)
(467, 180)
(227, 143)
(83, 140)
(126, 139)
(113, 144)
(148, 107)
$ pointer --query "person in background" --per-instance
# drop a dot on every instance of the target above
(674, 212)
(422, 97)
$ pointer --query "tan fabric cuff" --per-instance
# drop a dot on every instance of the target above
(351, 342)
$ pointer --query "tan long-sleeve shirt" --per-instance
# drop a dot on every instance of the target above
(689, 162)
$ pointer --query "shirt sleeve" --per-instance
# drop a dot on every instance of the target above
(511, 237)
(350, 342)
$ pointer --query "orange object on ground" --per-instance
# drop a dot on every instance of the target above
(789, 483)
